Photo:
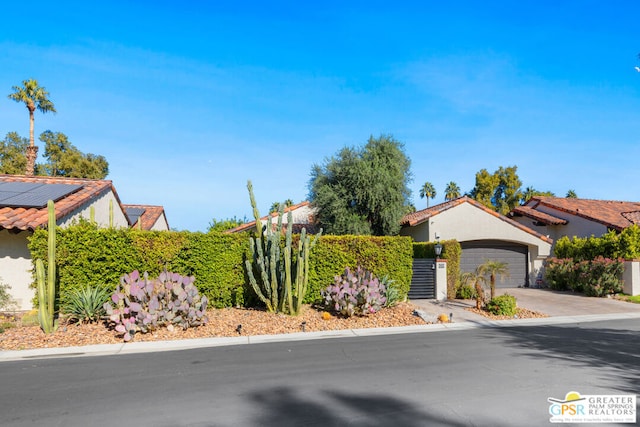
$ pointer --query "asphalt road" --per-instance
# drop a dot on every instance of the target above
(481, 377)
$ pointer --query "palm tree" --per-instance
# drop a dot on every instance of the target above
(571, 194)
(33, 96)
(476, 279)
(494, 268)
(452, 191)
(428, 191)
(275, 207)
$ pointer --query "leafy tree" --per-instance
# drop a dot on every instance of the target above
(226, 224)
(508, 194)
(13, 160)
(485, 188)
(452, 191)
(494, 269)
(427, 190)
(275, 207)
(499, 191)
(571, 195)
(34, 97)
(64, 159)
(362, 191)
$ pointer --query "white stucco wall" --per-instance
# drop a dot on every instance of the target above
(101, 206)
(576, 226)
(15, 267)
(161, 224)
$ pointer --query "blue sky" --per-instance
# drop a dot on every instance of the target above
(189, 100)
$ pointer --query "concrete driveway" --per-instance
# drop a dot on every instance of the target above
(551, 303)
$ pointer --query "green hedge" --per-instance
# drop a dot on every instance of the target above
(625, 245)
(451, 251)
(383, 256)
(86, 255)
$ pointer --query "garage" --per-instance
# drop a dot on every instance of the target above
(514, 255)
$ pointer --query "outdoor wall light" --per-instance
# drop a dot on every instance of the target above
(438, 249)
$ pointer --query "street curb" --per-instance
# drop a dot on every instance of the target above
(154, 346)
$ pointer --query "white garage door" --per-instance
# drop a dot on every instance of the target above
(514, 255)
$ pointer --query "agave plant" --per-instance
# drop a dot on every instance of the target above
(86, 305)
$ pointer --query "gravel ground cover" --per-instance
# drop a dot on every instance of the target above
(222, 323)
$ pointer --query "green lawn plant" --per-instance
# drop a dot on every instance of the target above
(278, 275)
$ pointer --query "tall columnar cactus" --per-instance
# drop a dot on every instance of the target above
(282, 273)
(47, 285)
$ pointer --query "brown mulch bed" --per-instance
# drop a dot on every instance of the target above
(521, 313)
(222, 323)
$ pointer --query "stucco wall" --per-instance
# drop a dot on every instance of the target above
(15, 266)
(101, 206)
(161, 224)
(576, 226)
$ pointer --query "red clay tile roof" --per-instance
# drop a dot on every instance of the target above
(149, 217)
(613, 214)
(541, 217)
(249, 225)
(20, 218)
(423, 215)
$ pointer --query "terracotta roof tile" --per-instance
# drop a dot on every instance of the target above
(617, 215)
(149, 217)
(20, 218)
(542, 217)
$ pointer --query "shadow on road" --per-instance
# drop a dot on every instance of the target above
(616, 351)
(283, 407)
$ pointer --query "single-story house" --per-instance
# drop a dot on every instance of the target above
(557, 216)
(147, 217)
(302, 215)
(483, 234)
(23, 209)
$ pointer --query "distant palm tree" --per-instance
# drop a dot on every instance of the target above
(33, 96)
(275, 207)
(452, 191)
(494, 268)
(529, 192)
(428, 191)
(477, 280)
(571, 195)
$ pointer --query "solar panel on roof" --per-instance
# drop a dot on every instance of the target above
(134, 214)
(33, 195)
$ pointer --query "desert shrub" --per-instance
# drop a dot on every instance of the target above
(503, 305)
(6, 301)
(142, 305)
(466, 292)
(355, 293)
(598, 277)
(86, 305)
(559, 273)
(603, 277)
